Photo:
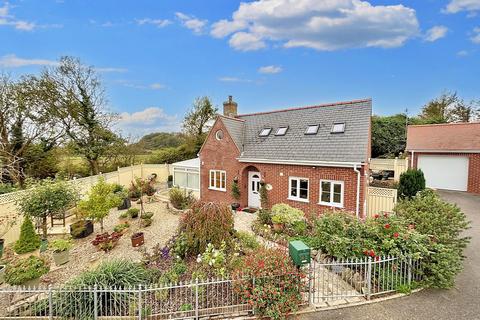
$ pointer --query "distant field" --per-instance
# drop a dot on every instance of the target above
(80, 161)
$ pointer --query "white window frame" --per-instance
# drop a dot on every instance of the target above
(297, 198)
(331, 203)
(316, 126)
(278, 133)
(338, 124)
(215, 172)
(267, 132)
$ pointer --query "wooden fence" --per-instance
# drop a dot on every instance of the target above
(380, 200)
(122, 176)
(398, 166)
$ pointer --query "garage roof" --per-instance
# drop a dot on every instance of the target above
(449, 137)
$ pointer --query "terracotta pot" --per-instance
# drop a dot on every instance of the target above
(137, 239)
(61, 257)
(278, 226)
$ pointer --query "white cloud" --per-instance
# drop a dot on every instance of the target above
(152, 119)
(191, 22)
(159, 23)
(153, 86)
(7, 19)
(270, 69)
(435, 33)
(233, 79)
(462, 53)
(455, 6)
(476, 35)
(12, 61)
(321, 25)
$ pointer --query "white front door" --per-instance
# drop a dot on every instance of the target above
(445, 171)
(254, 189)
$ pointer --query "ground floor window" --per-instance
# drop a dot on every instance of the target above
(186, 178)
(331, 193)
(298, 189)
(218, 180)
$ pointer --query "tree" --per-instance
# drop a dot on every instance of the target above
(194, 124)
(79, 105)
(100, 200)
(388, 135)
(411, 182)
(29, 240)
(25, 120)
(47, 199)
(449, 107)
(160, 140)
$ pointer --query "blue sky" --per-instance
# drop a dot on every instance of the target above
(155, 57)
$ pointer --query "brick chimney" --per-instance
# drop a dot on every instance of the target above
(230, 108)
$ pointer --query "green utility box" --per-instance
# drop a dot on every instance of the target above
(299, 252)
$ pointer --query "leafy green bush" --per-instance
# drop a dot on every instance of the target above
(24, 270)
(247, 241)
(133, 212)
(207, 222)
(276, 291)
(180, 199)
(411, 182)
(444, 223)
(60, 245)
(29, 240)
(235, 190)
(6, 188)
(214, 259)
(264, 216)
(285, 214)
(121, 227)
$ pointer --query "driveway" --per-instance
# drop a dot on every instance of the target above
(460, 302)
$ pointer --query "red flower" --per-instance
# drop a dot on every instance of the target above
(385, 215)
(395, 235)
(376, 216)
(387, 226)
(365, 252)
(372, 253)
(377, 258)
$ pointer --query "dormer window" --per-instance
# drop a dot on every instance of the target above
(281, 131)
(265, 132)
(312, 129)
(338, 127)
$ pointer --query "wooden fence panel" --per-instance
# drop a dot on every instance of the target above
(380, 200)
(398, 166)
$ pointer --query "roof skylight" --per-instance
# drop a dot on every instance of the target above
(281, 131)
(338, 127)
(312, 129)
(265, 132)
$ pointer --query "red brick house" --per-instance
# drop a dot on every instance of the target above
(313, 158)
(448, 154)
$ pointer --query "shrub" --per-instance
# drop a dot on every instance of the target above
(180, 199)
(264, 216)
(247, 241)
(207, 222)
(29, 240)
(263, 195)
(106, 241)
(411, 182)
(214, 259)
(133, 212)
(146, 215)
(24, 270)
(60, 245)
(119, 228)
(444, 223)
(276, 292)
(285, 214)
(235, 190)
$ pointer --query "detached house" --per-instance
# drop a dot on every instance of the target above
(314, 158)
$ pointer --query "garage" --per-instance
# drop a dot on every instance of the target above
(445, 172)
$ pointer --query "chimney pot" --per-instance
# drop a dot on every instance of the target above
(230, 108)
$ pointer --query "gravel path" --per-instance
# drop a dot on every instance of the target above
(243, 221)
(85, 256)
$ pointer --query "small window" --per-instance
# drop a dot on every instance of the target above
(312, 129)
(281, 131)
(219, 134)
(218, 180)
(338, 127)
(298, 189)
(265, 132)
(331, 193)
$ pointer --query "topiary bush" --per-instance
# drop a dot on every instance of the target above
(276, 291)
(207, 222)
(411, 182)
(444, 223)
(29, 240)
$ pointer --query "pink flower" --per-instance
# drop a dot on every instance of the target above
(387, 226)
(376, 216)
(395, 235)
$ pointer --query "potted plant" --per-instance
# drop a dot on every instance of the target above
(278, 223)
(137, 239)
(61, 249)
(6, 223)
(134, 192)
(106, 241)
(235, 195)
(26, 272)
(2, 273)
(81, 229)
(170, 181)
(122, 227)
(133, 213)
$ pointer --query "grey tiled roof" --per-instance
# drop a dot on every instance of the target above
(235, 129)
(350, 146)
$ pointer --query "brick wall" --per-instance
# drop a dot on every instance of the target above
(473, 168)
(221, 155)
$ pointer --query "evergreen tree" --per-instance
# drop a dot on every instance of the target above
(29, 240)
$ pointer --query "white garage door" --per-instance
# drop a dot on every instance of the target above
(445, 172)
